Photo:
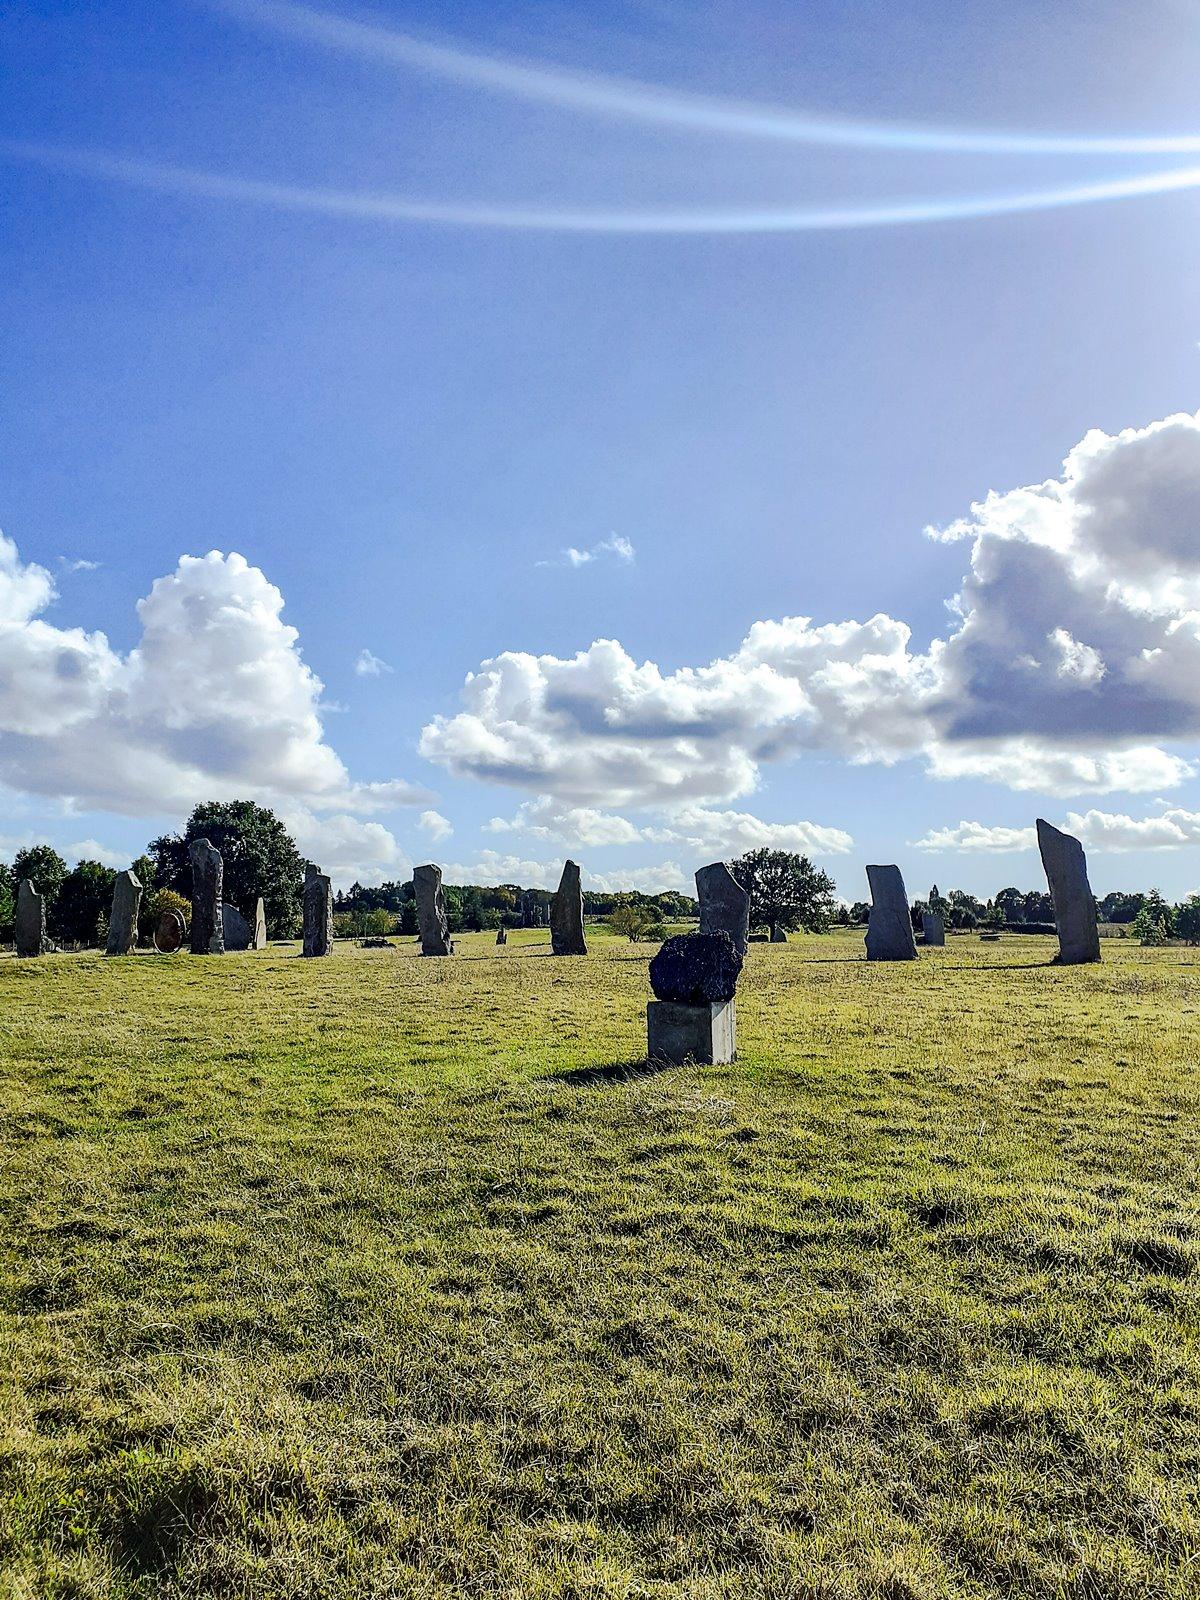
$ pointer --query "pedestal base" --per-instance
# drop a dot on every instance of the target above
(677, 1033)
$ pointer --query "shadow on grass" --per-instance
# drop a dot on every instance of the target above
(613, 1072)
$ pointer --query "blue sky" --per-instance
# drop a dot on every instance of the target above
(404, 426)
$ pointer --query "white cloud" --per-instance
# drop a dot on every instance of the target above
(347, 848)
(214, 702)
(78, 565)
(1073, 665)
(492, 867)
(976, 836)
(370, 666)
(617, 546)
(544, 818)
(435, 825)
(1106, 830)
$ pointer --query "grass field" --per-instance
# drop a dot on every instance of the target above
(382, 1277)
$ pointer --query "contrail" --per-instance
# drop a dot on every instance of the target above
(400, 208)
(626, 98)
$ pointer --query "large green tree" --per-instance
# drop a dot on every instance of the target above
(786, 891)
(85, 898)
(260, 858)
(44, 867)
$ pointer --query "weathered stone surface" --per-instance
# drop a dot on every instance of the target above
(696, 969)
(431, 911)
(236, 931)
(724, 905)
(318, 913)
(123, 918)
(30, 921)
(889, 929)
(260, 926)
(933, 929)
(170, 932)
(208, 879)
(777, 935)
(502, 936)
(566, 914)
(1074, 907)
(678, 1033)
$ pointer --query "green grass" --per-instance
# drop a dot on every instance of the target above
(379, 1277)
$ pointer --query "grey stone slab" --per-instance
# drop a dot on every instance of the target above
(259, 941)
(208, 879)
(29, 922)
(1074, 905)
(432, 921)
(566, 914)
(889, 929)
(933, 928)
(318, 913)
(677, 1033)
(724, 905)
(123, 918)
(235, 930)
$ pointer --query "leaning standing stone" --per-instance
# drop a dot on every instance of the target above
(30, 920)
(566, 915)
(123, 918)
(724, 905)
(236, 931)
(889, 928)
(318, 913)
(432, 921)
(260, 925)
(1074, 907)
(208, 879)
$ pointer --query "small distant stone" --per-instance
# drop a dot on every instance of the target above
(696, 969)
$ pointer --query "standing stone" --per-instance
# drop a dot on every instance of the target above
(566, 915)
(889, 929)
(30, 920)
(724, 905)
(170, 932)
(236, 931)
(318, 913)
(208, 879)
(1074, 907)
(933, 929)
(431, 911)
(777, 935)
(502, 936)
(123, 918)
(260, 925)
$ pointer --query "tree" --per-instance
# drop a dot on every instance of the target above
(44, 867)
(259, 854)
(83, 903)
(8, 901)
(636, 922)
(1187, 919)
(786, 891)
(1147, 928)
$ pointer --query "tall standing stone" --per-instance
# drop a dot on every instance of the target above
(318, 912)
(724, 905)
(889, 928)
(208, 879)
(30, 920)
(235, 930)
(431, 911)
(123, 918)
(260, 925)
(566, 914)
(933, 928)
(1074, 907)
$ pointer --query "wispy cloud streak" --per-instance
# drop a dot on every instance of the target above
(630, 100)
(399, 208)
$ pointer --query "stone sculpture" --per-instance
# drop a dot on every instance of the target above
(170, 932)
(29, 922)
(566, 915)
(694, 977)
(260, 926)
(318, 913)
(933, 928)
(123, 918)
(208, 878)
(235, 930)
(1074, 907)
(431, 911)
(724, 905)
(889, 928)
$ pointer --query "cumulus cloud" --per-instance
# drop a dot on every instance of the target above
(347, 848)
(617, 548)
(368, 665)
(1073, 664)
(699, 829)
(214, 702)
(1170, 829)
(435, 825)
(977, 836)
(493, 867)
